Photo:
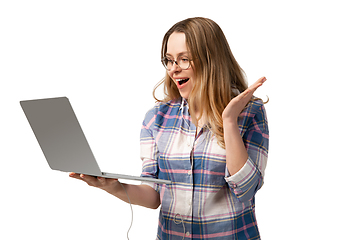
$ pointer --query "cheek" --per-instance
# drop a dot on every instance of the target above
(193, 74)
(170, 78)
(172, 83)
(193, 69)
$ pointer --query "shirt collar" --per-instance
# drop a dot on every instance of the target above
(183, 103)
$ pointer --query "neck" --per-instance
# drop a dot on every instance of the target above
(201, 120)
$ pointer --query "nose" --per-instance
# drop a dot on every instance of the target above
(174, 69)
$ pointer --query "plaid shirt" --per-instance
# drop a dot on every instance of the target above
(203, 201)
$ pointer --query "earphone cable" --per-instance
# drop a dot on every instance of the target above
(132, 214)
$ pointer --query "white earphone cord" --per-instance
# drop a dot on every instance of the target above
(132, 214)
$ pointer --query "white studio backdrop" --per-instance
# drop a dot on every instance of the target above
(105, 57)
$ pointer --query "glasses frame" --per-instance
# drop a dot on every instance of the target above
(176, 62)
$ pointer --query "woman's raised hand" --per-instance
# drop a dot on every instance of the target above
(238, 103)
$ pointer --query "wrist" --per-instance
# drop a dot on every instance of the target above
(113, 188)
(230, 123)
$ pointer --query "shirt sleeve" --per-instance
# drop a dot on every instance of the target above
(148, 150)
(254, 129)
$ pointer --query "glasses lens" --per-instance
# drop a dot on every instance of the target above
(167, 63)
(184, 63)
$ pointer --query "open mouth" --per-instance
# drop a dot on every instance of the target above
(182, 81)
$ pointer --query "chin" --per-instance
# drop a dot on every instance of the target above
(184, 95)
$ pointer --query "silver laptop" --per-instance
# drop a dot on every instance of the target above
(62, 140)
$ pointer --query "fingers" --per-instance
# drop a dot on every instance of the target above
(254, 86)
(74, 175)
(262, 79)
(257, 84)
(250, 90)
(90, 180)
(82, 176)
(99, 182)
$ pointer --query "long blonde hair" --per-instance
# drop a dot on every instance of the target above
(217, 72)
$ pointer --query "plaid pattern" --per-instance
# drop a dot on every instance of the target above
(203, 201)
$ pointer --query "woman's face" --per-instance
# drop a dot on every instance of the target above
(177, 50)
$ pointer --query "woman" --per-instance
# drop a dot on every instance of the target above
(209, 136)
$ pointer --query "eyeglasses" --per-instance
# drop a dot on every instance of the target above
(182, 62)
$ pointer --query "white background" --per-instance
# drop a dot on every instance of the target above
(105, 56)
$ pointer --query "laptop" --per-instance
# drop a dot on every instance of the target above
(62, 140)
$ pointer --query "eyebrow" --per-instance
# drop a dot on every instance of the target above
(180, 54)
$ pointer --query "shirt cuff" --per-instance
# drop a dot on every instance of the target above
(245, 174)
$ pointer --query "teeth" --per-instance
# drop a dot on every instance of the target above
(178, 80)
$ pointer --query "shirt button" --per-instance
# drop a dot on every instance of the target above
(189, 172)
(187, 234)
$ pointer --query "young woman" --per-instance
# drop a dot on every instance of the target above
(209, 136)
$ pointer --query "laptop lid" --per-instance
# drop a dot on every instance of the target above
(62, 140)
(60, 136)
